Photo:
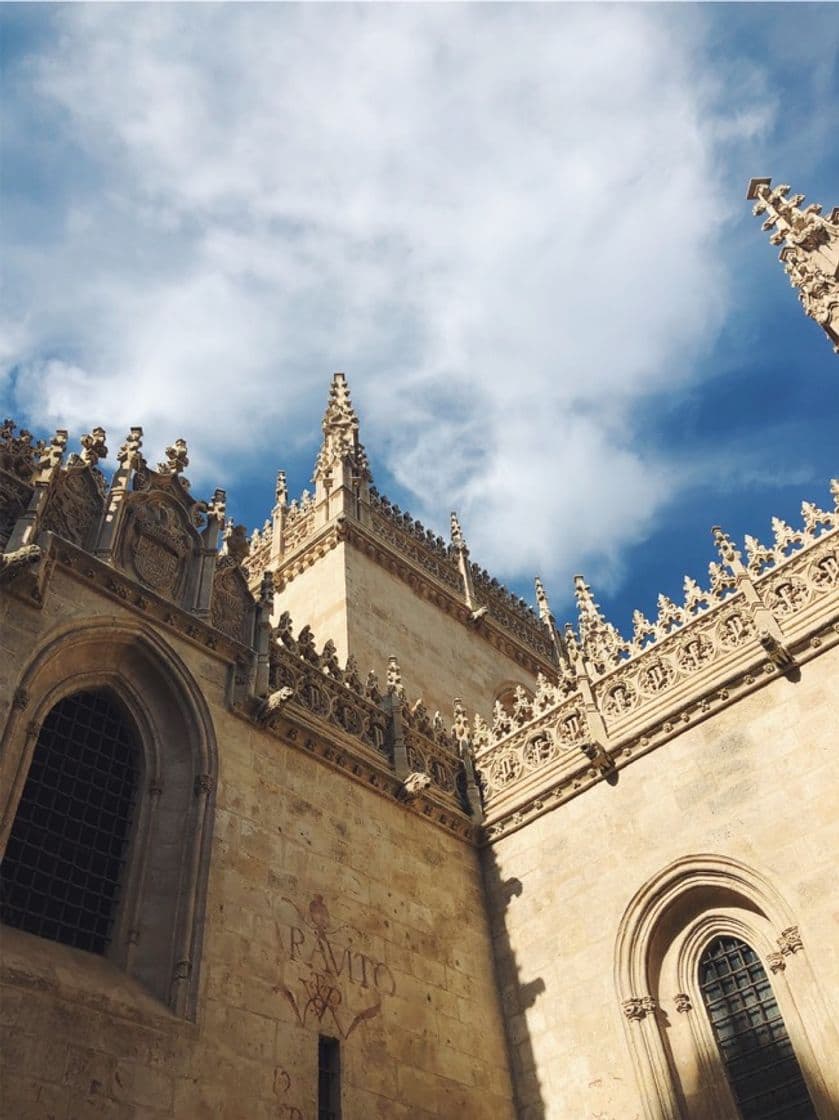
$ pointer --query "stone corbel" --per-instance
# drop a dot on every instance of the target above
(25, 572)
(414, 784)
(598, 756)
(639, 1007)
(789, 941)
(272, 703)
(777, 651)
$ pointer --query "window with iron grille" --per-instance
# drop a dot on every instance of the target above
(66, 853)
(329, 1078)
(759, 1060)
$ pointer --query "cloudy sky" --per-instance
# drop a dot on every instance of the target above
(520, 230)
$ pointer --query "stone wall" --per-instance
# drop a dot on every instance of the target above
(754, 784)
(330, 909)
(441, 657)
(316, 597)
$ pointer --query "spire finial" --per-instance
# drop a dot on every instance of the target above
(458, 540)
(810, 252)
(340, 433)
(542, 601)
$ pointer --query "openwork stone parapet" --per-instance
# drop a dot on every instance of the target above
(771, 617)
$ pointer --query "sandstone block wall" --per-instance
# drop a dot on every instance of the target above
(330, 910)
(440, 657)
(757, 783)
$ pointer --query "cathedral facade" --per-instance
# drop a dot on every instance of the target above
(325, 822)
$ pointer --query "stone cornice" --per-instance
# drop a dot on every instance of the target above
(299, 728)
(565, 768)
(419, 579)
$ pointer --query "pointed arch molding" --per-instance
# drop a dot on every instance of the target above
(660, 938)
(158, 933)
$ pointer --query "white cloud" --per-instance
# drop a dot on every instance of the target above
(502, 222)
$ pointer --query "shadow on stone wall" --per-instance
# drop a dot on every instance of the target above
(517, 993)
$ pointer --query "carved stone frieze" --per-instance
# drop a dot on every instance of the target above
(786, 593)
(733, 628)
(568, 728)
(539, 749)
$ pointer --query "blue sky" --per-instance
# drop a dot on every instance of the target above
(521, 231)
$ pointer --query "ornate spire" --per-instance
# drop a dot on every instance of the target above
(458, 540)
(542, 602)
(600, 640)
(810, 252)
(548, 619)
(340, 435)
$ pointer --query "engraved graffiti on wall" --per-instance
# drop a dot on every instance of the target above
(328, 980)
(282, 1084)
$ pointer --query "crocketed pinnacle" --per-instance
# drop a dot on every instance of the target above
(340, 433)
(600, 640)
(810, 252)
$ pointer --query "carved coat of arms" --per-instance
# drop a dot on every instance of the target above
(159, 545)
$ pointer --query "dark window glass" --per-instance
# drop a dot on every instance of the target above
(61, 872)
(759, 1060)
(329, 1079)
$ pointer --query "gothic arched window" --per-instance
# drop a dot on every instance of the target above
(65, 859)
(762, 1068)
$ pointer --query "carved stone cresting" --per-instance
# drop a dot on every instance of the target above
(427, 763)
(617, 697)
(810, 253)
